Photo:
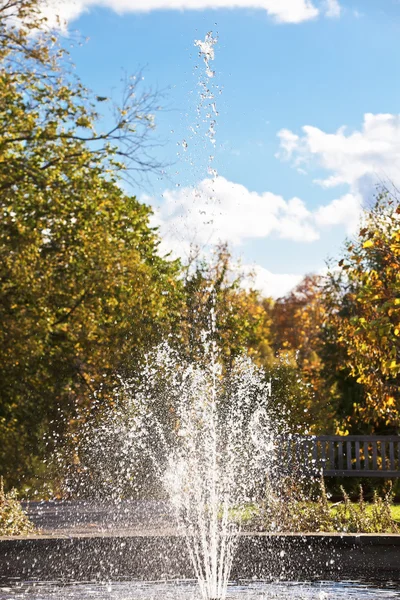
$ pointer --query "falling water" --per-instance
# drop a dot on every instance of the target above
(207, 108)
(196, 430)
(218, 465)
(202, 434)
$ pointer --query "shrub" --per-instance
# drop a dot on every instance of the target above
(292, 511)
(361, 518)
(13, 519)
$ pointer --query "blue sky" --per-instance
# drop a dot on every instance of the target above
(308, 118)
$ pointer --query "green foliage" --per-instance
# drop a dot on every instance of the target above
(243, 322)
(82, 286)
(13, 519)
(45, 108)
(292, 395)
(84, 293)
(216, 301)
(364, 308)
(361, 518)
(76, 303)
(291, 510)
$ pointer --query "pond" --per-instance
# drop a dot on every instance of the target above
(325, 590)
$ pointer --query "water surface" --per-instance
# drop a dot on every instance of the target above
(189, 591)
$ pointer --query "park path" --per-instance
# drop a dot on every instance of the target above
(133, 517)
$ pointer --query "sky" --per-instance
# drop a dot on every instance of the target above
(306, 108)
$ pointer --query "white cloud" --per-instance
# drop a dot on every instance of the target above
(341, 211)
(349, 158)
(220, 210)
(60, 13)
(359, 159)
(270, 284)
(289, 143)
(282, 11)
(333, 9)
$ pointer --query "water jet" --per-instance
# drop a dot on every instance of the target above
(198, 438)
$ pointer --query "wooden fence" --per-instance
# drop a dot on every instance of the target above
(341, 456)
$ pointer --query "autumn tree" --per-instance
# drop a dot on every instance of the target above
(82, 285)
(298, 318)
(365, 306)
(221, 300)
(298, 330)
(217, 301)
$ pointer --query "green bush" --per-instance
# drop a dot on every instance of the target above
(292, 511)
(13, 519)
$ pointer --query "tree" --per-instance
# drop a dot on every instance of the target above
(44, 105)
(299, 327)
(82, 285)
(81, 289)
(365, 304)
(217, 301)
(220, 301)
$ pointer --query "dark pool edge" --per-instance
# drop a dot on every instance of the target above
(375, 538)
(259, 556)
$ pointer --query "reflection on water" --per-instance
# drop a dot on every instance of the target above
(189, 591)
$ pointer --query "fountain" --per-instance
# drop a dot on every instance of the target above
(199, 436)
(202, 432)
(208, 447)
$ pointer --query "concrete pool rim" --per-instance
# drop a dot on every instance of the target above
(121, 555)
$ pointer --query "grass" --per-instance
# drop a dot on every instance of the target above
(293, 513)
(248, 513)
(394, 510)
(338, 519)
